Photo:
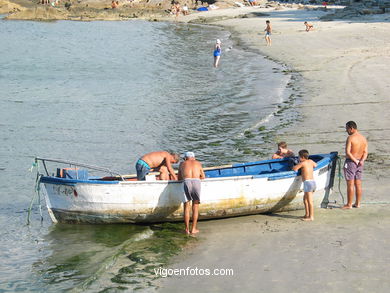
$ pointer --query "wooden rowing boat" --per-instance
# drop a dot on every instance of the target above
(233, 190)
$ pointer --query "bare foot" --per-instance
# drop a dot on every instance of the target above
(356, 205)
(307, 219)
(346, 207)
(194, 231)
(187, 232)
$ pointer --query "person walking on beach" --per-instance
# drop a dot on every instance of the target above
(217, 52)
(268, 31)
(356, 152)
(155, 160)
(309, 185)
(191, 172)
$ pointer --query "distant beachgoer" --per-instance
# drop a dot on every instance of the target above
(356, 152)
(154, 161)
(191, 172)
(185, 9)
(217, 52)
(309, 26)
(309, 185)
(268, 32)
(252, 2)
(173, 9)
(114, 4)
(177, 11)
(283, 151)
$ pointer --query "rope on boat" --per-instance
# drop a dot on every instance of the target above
(340, 175)
(37, 192)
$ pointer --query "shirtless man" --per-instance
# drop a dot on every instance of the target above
(154, 161)
(309, 185)
(356, 151)
(191, 172)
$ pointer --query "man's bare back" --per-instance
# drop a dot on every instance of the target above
(161, 158)
(356, 147)
(191, 168)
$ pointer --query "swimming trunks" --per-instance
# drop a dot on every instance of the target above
(267, 33)
(309, 186)
(142, 169)
(352, 171)
(217, 52)
(192, 189)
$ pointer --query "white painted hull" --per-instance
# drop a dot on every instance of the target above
(159, 201)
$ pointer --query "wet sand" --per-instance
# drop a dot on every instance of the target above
(345, 66)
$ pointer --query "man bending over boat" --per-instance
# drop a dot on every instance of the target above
(309, 185)
(191, 172)
(155, 160)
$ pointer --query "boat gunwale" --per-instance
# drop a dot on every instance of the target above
(325, 161)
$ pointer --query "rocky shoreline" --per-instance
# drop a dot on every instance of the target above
(159, 10)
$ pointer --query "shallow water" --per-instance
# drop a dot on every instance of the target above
(105, 93)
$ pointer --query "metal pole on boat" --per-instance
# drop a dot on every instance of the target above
(76, 164)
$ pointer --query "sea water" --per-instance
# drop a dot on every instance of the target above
(105, 93)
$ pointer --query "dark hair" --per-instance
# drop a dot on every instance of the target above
(282, 144)
(267, 21)
(351, 124)
(304, 154)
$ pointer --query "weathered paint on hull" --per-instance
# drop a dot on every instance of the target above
(143, 202)
(205, 212)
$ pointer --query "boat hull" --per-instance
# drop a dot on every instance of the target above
(74, 201)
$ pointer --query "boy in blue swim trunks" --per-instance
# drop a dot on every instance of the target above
(268, 31)
(309, 185)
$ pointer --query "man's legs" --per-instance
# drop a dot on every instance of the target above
(187, 216)
(195, 211)
(358, 191)
(350, 193)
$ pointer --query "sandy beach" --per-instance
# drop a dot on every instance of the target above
(345, 66)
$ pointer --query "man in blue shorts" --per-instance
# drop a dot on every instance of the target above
(155, 160)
